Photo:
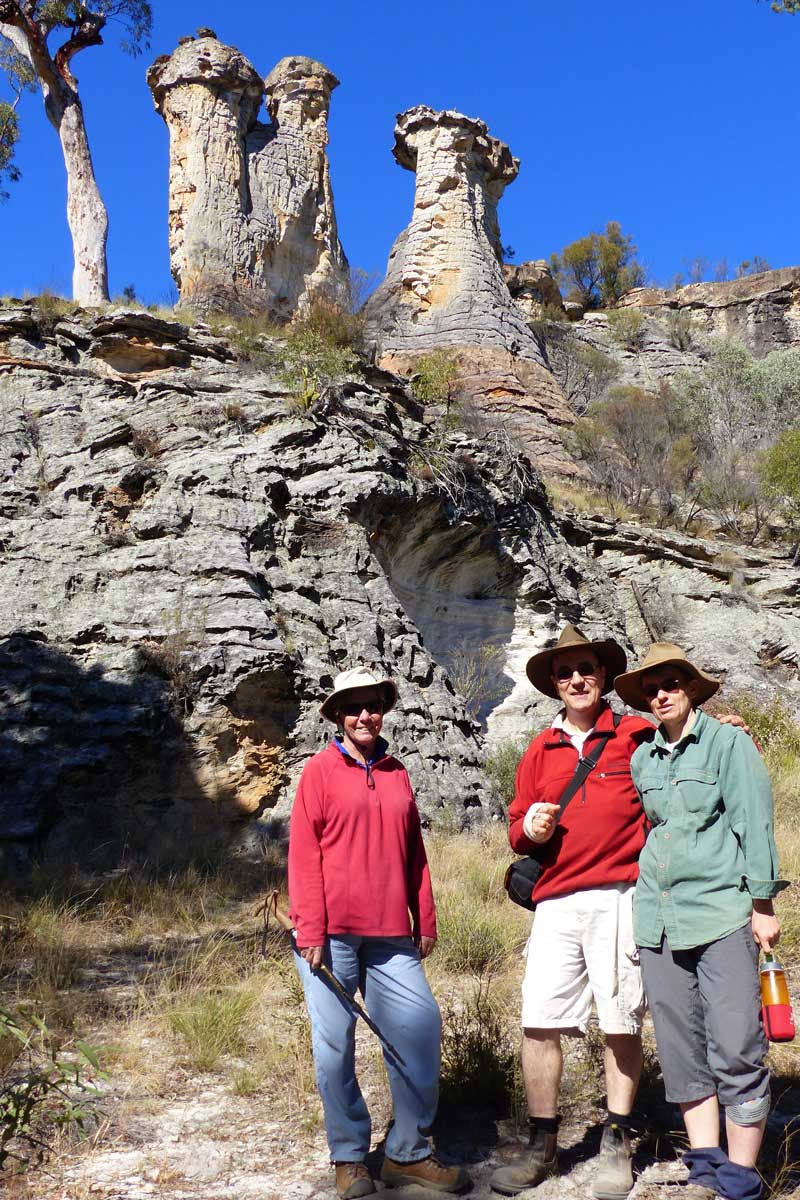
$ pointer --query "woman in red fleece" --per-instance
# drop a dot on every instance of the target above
(362, 903)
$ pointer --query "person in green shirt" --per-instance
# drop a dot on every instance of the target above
(702, 910)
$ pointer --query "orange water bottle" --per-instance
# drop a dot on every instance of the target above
(776, 1007)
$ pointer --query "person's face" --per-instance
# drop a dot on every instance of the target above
(361, 717)
(579, 679)
(670, 695)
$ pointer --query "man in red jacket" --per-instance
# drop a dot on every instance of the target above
(581, 947)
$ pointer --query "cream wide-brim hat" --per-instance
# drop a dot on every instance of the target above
(663, 654)
(353, 680)
(539, 667)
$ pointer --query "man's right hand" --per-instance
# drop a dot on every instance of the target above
(540, 822)
(312, 955)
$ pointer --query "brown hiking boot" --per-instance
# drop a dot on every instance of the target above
(428, 1172)
(539, 1162)
(614, 1178)
(352, 1180)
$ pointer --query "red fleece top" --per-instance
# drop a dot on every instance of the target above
(602, 830)
(357, 862)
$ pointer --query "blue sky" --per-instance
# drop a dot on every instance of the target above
(678, 120)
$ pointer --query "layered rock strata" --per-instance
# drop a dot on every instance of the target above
(252, 225)
(761, 311)
(444, 287)
(188, 562)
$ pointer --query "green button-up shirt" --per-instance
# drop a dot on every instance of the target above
(711, 849)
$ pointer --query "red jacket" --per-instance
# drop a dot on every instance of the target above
(357, 861)
(599, 837)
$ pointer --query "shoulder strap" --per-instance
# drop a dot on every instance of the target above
(583, 769)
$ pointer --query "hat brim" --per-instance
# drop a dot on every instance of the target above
(629, 686)
(329, 707)
(539, 669)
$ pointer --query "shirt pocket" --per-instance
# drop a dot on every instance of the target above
(652, 790)
(700, 793)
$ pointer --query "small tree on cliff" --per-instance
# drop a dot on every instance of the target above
(599, 268)
(28, 25)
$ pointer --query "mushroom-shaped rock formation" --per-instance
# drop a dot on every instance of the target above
(444, 286)
(251, 219)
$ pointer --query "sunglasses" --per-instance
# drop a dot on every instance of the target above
(584, 668)
(673, 684)
(354, 708)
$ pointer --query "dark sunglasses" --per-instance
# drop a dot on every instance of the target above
(584, 668)
(354, 708)
(673, 684)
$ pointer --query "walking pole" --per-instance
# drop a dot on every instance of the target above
(271, 905)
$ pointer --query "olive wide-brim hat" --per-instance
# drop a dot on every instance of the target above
(610, 654)
(354, 680)
(663, 654)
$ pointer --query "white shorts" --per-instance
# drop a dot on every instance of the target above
(581, 948)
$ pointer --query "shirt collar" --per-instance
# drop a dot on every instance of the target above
(381, 746)
(660, 740)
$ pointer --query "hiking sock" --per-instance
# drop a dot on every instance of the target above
(738, 1183)
(622, 1120)
(703, 1163)
(545, 1124)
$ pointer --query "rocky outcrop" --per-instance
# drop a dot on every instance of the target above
(252, 225)
(532, 286)
(188, 561)
(762, 311)
(444, 287)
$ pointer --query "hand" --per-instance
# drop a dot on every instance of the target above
(312, 955)
(734, 719)
(425, 945)
(765, 925)
(540, 822)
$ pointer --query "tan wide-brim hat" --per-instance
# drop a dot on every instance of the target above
(352, 680)
(663, 654)
(610, 654)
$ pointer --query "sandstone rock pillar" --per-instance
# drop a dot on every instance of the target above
(444, 285)
(252, 225)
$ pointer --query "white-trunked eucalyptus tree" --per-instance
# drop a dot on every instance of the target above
(29, 26)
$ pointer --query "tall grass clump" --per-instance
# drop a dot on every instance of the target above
(480, 1056)
(212, 1025)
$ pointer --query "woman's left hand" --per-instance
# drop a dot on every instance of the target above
(765, 926)
(425, 946)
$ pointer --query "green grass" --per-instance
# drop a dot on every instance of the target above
(212, 1025)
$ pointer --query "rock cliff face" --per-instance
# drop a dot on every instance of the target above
(188, 561)
(762, 311)
(444, 287)
(252, 225)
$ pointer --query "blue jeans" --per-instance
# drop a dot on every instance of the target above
(397, 997)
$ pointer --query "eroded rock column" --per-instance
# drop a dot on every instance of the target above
(444, 286)
(252, 225)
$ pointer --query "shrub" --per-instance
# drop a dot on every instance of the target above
(625, 326)
(145, 443)
(502, 763)
(320, 352)
(479, 1055)
(679, 328)
(582, 371)
(435, 377)
(44, 1084)
(640, 448)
